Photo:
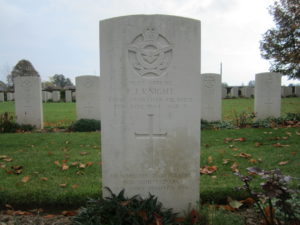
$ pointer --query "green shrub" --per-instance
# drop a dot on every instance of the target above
(85, 125)
(7, 123)
(119, 210)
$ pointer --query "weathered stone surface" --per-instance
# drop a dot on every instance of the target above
(150, 107)
(224, 92)
(10, 96)
(286, 91)
(211, 95)
(68, 95)
(234, 92)
(267, 101)
(56, 96)
(88, 97)
(28, 101)
(247, 92)
(297, 91)
(46, 96)
(1, 96)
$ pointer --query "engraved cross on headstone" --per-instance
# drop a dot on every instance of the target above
(150, 135)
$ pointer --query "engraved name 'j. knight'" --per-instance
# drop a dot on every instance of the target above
(150, 53)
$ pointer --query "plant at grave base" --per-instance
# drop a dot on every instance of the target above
(243, 119)
(85, 125)
(216, 125)
(117, 209)
(277, 203)
(7, 123)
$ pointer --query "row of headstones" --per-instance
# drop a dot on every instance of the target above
(267, 92)
(28, 99)
(88, 103)
(227, 92)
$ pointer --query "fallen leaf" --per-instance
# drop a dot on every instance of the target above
(22, 213)
(226, 140)
(288, 133)
(210, 159)
(8, 206)
(89, 163)
(64, 166)
(226, 161)
(25, 179)
(3, 156)
(158, 219)
(235, 204)
(84, 153)
(228, 208)
(49, 216)
(142, 214)
(293, 153)
(283, 163)
(241, 139)
(234, 167)
(208, 169)
(244, 155)
(280, 145)
(257, 144)
(7, 159)
(74, 186)
(50, 153)
(44, 178)
(253, 161)
(248, 201)
(57, 163)
(194, 216)
(297, 133)
(75, 163)
(63, 185)
(81, 165)
(69, 213)
(214, 177)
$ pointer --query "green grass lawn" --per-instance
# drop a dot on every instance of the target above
(63, 114)
(52, 161)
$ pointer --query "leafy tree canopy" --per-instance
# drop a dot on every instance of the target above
(60, 80)
(281, 44)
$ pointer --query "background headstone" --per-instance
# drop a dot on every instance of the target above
(211, 95)
(10, 96)
(267, 101)
(234, 92)
(88, 97)
(297, 91)
(247, 92)
(286, 91)
(1, 97)
(150, 107)
(56, 96)
(68, 95)
(28, 101)
(224, 92)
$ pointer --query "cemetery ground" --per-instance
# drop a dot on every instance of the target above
(60, 170)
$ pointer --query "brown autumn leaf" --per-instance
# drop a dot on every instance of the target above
(234, 167)
(297, 133)
(253, 161)
(158, 219)
(49, 216)
(25, 179)
(84, 153)
(2, 165)
(75, 163)
(226, 140)
(257, 144)
(57, 163)
(69, 213)
(241, 139)
(44, 178)
(7, 159)
(208, 169)
(210, 159)
(244, 155)
(294, 153)
(64, 166)
(50, 153)
(63, 185)
(280, 145)
(248, 201)
(89, 163)
(283, 163)
(20, 213)
(226, 161)
(3, 156)
(17, 169)
(82, 166)
(74, 186)
(124, 203)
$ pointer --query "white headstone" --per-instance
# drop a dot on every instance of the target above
(56, 96)
(68, 95)
(46, 96)
(150, 109)
(1, 97)
(28, 101)
(267, 101)
(247, 92)
(297, 91)
(88, 97)
(10, 96)
(211, 95)
(286, 91)
(224, 92)
(234, 92)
